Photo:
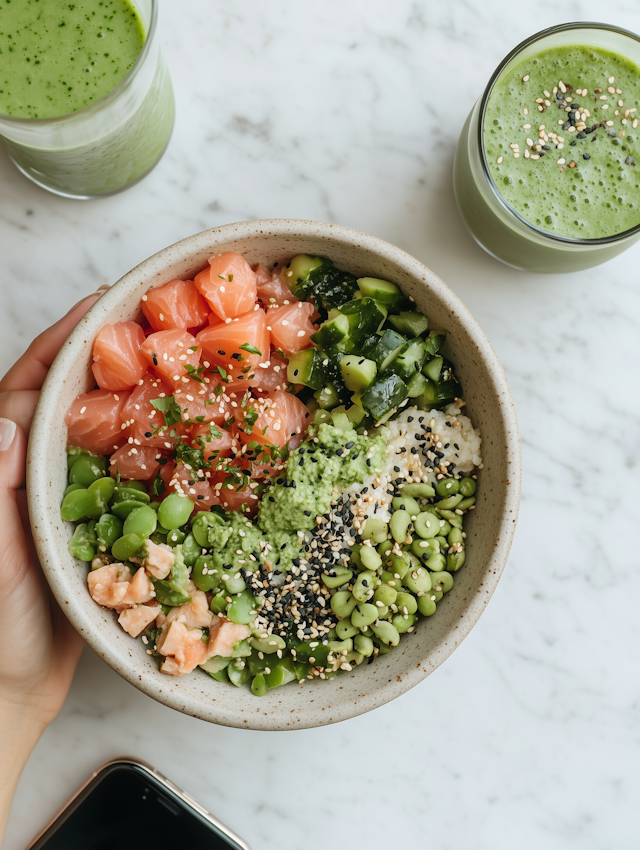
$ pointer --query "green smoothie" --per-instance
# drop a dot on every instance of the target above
(57, 57)
(562, 141)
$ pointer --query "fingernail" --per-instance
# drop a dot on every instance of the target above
(7, 434)
(99, 291)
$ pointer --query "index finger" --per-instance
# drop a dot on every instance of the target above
(29, 372)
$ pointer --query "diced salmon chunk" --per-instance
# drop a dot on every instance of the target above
(135, 620)
(228, 285)
(224, 635)
(170, 353)
(117, 361)
(158, 559)
(95, 423)
(114, 587)
(194, 614)
(176, 304)
(183, 647)
(134, 462)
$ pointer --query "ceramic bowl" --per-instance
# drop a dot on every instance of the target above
(490, 527)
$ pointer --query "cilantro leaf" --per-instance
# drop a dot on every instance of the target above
(195, 373)
(251, 349)
(169, 408)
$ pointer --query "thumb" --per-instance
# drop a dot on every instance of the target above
(14, 556)
(12, 456)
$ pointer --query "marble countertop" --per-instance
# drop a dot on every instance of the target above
(528, 736)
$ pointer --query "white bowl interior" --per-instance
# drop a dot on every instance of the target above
(490, 527)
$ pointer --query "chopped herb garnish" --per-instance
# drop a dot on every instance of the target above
(195, 373)
(251, 349)
(169, 408)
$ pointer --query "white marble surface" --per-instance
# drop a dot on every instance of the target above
(529, 736)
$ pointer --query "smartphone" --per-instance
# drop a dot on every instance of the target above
(128, 805)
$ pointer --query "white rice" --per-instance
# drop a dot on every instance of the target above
(459, 443)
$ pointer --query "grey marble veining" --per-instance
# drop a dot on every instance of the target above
(529, 736)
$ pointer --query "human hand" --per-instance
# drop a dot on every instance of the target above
(40, 648)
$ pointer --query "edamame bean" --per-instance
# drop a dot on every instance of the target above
(79, 504)
(87, 469)
(447, 487)
(386, 632)
(371, 560)
(127, 546)
(385, 594)
(342, 603)
(108, 530)
(242, 608)
(385, 547)
(104, 489)
(342, 576)
(73, 487)
(202, 522)
(73, 453)
(383, 649)
(390, 579)
(345, 629)
(465, 504)
(238, 672)
(399, 525)
(442, 542)
(437, 561)
(208, 580)
(398, 565)
(383, 611)
(375, 530)
(281, 673)
(364, 586)
(467, 487)
(426, 605)
(123, 509)
(175, 511)
(142, 521)
(450, 503)
(455, 560)
(441, 581)
(83, 543)
(418, 491)
(132, 484)
(125, 494)
(426, 525)
(219, 603)
(455, 536)
(401, 622)
(354, 560)
(406, 503)
(234, 583)
(363, 645)
(418, 580)
(406, 601)
(268, 644)
(363, 615)
(424, 548)
(449, 519)
(258, 685)
(337, 646)
(175, 536)
(190, 550)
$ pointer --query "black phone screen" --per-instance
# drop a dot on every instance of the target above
(126, 808)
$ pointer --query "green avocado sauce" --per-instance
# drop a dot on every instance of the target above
(57, 57)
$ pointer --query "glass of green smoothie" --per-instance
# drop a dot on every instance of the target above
(86, 103)
(547, 169)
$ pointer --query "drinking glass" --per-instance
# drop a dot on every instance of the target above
(110, 144)
(492, 222)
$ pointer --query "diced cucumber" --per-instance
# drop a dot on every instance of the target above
(305, 367)
(437, 395)
(358, 373)
(327, 397)
(321, 416)
(369, 344)
(382, 290)
(410, 323)
(215, 664)
(384, 395)
(408, 361)
(417, 385)
(317, 278)
(433, 368)
(300, 268)
(435, 341)
(340, 420)
(365, 317)
(386, 348)
(333, 334)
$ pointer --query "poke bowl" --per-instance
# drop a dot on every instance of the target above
(257, 466)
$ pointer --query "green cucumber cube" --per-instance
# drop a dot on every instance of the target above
(435, 341)
(333, 333)
(382, 290)
(432, 369)
(409, 360)
(386, 348)
(410, 323)
(305, 367)
(358, 373)
(385, 394)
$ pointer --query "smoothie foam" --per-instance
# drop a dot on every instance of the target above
(569, 171)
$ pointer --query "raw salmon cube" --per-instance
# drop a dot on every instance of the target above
(237, 347)
(291, 326)
(140, 589)
(118, 363)
(137, 463)
(223, 635)
(183, 647)
(170, 353)
(281, 418)
(228, 285)
(135, 620)
(109, 585)
(95, 421)
(271, 375)
(194, 614)
(176, 304)
(158, 558)
(272, 290)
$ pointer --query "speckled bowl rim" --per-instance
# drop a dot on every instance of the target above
(63, 586)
